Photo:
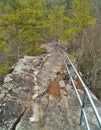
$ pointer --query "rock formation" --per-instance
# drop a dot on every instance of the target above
(34, 96)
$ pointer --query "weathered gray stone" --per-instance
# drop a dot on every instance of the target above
(62, 83)
(25, 103)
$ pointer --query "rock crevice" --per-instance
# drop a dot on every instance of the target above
(35, 96)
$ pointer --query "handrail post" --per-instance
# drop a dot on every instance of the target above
(83, 105)
(71, 72)
(78, 96)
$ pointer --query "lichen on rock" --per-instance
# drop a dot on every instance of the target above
(34, 96)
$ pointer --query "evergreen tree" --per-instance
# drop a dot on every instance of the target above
(25, 24)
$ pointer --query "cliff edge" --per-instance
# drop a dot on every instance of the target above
(34, 96)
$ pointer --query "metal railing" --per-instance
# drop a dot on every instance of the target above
(86, 92)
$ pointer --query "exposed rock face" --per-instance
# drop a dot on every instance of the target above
(35, 97)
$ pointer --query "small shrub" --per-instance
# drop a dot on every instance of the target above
(36, 50)
(4, 69)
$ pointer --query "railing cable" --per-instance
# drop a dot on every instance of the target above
(86, 92)
(78, 96)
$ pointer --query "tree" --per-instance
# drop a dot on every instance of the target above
(22, 27)
(55, 21)
(80, 18)
(25, 24)
(90, 63)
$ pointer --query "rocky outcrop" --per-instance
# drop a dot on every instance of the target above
(35, 96)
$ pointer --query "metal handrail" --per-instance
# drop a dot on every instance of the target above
(86, 92)
(80, 101)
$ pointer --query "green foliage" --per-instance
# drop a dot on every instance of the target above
(4, 48)
(79, 17)
(74, 55)
(86, 64)
(82, 13)
(68, 4)
(36, 50)
(33, 21)
(25, 24)
(4, 69)
(27, 20)
(55, 21)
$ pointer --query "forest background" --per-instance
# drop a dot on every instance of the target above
(27, 24)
